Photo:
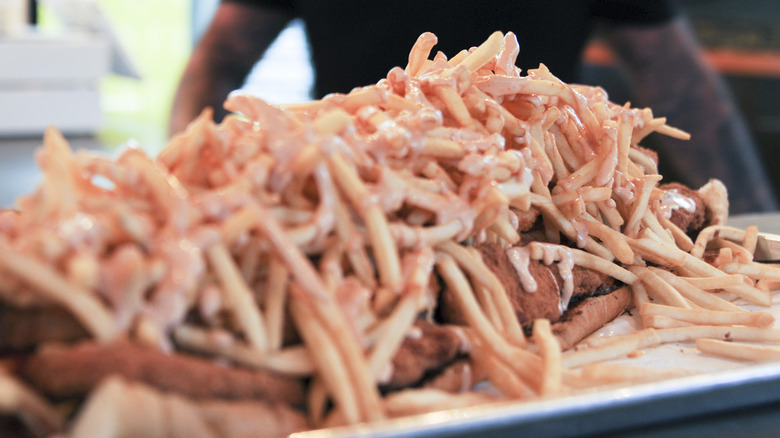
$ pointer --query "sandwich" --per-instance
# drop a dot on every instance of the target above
(364, 256)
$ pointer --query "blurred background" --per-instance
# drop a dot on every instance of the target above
(104, 72)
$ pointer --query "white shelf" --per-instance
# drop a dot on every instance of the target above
(51, 80)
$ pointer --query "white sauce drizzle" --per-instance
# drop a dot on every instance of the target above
(548, 253)
(673, 200)
(581, 227)
(520, 258)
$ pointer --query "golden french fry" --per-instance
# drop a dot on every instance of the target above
(686, 286)
(726, 333)
(660, 322)
(710, 317)
(735, 350)
(239, 297)
(552, 383)
(607, 374)
(659, 289)
(611, 350)
(613, 240)
(347, 217)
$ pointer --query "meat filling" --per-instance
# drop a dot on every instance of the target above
(427, 350)
(73, 372)
(24, 328)
(685, 207)
(545, 301)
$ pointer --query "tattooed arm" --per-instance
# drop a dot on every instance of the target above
(237, 37)
(666, 71)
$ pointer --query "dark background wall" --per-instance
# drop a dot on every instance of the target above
(742, 40)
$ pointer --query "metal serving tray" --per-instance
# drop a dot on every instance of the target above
(718, 386)
(594, 413)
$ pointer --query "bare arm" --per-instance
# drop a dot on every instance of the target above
(237, 37)
(667, 72)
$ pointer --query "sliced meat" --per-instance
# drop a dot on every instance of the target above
(687, 208)
(429, 349)
(64, 373)
(589, 315)
(24, 328)
(545, 302)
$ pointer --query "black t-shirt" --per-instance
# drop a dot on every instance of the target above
(356, 42)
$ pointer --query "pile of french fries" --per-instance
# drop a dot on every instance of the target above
(341, 217)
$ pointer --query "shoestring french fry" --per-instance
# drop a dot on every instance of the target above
(658, 289)
(619, 347)
(292, 360)
(41, 417)
(740, 351)
(686, 287)
(500, 375)
(710, 317)
(611, 373)
(474, 266)
(661, 322)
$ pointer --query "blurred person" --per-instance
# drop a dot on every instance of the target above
(355, 43)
